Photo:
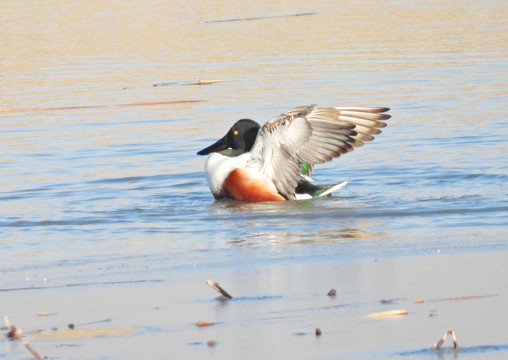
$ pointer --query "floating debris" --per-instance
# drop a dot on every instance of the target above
(468, 297)
(32, 351)
(165, 84)
(390, 301)
(204, 323)
(260, 17)
(14, 332)
(217, 287)
(456, 298)
(82, 284)
(45, 314)
(98, 107)
(211, 343)
(433, 312)
(389, 313)
(332, 292)
(438, 345)
(205, 82)
(94, 322)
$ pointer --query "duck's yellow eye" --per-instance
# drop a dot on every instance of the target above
(235, 132)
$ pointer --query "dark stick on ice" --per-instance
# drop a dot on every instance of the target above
(438, 345)
(32, 350)
(260, 17)
(217, 287)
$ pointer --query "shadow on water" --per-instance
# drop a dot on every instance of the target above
(451, 353)
(293, 222)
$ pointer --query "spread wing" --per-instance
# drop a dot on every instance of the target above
(312, 135)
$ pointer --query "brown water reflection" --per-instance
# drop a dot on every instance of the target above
(62, 53)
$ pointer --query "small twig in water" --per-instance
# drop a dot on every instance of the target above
(438, 345)
(217, 287)
(205, 82)
(93, 322)
(468, 297)
(389, 313)
(32, 350)
(204, 323)
(260, 17)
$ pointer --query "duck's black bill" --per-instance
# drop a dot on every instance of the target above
(218, 146)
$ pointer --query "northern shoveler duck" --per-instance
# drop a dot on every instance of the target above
(273, 162)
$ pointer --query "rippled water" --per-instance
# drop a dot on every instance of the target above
(114, 186)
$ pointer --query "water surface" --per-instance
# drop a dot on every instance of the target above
(111, 190)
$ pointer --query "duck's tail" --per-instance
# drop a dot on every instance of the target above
(307, 190)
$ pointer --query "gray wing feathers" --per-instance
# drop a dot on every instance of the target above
(276, 149)
(367, 121)
(313, 135)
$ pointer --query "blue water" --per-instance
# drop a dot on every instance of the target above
(438, 184)
(113, 189)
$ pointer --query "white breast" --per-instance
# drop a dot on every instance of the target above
(218, 167)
